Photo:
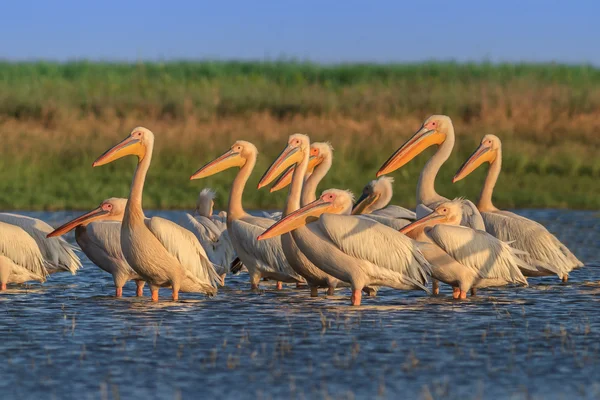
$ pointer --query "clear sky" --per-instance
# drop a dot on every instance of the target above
(323, 31)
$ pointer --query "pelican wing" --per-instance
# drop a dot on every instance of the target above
(183, 245)
(397, 212)
(366, 239)
(19, 247)
(471, 217)
(481, 252)
(394, 223)
(542, 248)
(215, 241)
(107, 236)
(268, 253)
(275, 216)
(57, 252)
(422, 210)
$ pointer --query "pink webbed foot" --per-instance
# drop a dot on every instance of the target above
(356, 297)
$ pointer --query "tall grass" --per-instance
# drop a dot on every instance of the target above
(55, 119)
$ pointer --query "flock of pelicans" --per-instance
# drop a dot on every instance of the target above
(328, 242)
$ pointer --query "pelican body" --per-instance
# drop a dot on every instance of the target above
(262, 259)
(98, 234)
(541, 248)
(374, 204)
(58, 254)
(20, 257)
(211, 231)
(160, 251)
(351, 248)
(436, 130)
(296, 157)
(463, 257)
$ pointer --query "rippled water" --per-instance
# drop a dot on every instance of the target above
(70, 338)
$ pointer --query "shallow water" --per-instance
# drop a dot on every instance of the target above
(70, 338)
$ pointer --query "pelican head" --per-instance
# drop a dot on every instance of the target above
(488, 151)
(433, 132)
(136, 144)
(298, 146)
(332, 201)
(206, 202)
(236, 156)
(319, 152)
(109, 210)
(376, 194)
(448, 213)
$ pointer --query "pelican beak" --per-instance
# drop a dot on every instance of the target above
(479, 156)
(228, 160)
(363, 203)
(129, 146)
(412, 148)
(285, 179)
(84, 219)
(428, 220)
(289, 156)
(307, 214)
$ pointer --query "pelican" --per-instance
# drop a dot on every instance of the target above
(211, 231)
(543, 250)
(374, 203)
(163, 253)
(463, 257)
(57, 252)
(318, 151)
(98, 234)
(296, 157)
(20, 257)
(436, 130)
(262, 259)
(353, 249)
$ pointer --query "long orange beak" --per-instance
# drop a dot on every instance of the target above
(229, 159)
(129, 146)
(420, 141)
(288, 157)
(362, 204)
(307, 214)
(428, 220)
(285, 179)
(93, 215)
(479, 156)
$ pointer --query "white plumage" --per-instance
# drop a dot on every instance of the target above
(20, 257)
(374, 204)
(58, 253)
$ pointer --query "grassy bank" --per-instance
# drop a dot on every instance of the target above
(55, 119)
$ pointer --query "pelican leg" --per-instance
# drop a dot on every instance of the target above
(473, 292)
(140, 288)
(154, 291)
(119, 292)
(254, 280)
(299, 285)
(455, 292)
(223, 279)
(435, 287)
(370, 292)
(175, 288)
(565, 278)
(463, 294)
(3, 287)
(314, 292)
(330, 291)
(356, 297)
(279, 285)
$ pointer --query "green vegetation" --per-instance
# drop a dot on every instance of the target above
(55, 119)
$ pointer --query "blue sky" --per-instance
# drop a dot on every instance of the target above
(322, 31)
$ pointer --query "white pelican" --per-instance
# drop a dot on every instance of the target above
(354, 249)
(544, 250)
(211, 231)
(374, 203)
(436, 130)
(57, 252)
(98, 234)
(316, 157)
(463, 257)
(20, 257)
(262, 259)
(296, 157)
(160, 251)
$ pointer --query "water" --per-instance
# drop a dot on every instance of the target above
(70, 338)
